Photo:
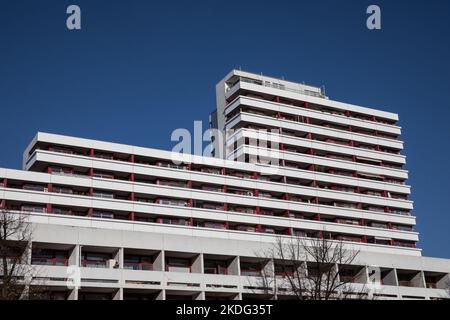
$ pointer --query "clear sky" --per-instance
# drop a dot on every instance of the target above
(140, 69)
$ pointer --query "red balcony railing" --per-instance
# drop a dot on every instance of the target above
(49, 261)
(138, 265)
(94, 263)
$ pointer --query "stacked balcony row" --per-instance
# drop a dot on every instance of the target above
(51, 254)
(285, 141)
(392, 198)
(249, 121)
(360, 117)
(309, 193)
(305, 114)
(162, 196)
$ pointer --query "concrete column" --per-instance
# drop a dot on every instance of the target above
(74, 256)
(197, 264)
(391, 278)
(336, 269)
(269, 268)
(30, 271)
(303, 269)
(118, 295)
(270, 282)
(161, 295)
(73, 295)
(362, 276)
(158, 264)
(27, 253)
(419, 280)
(395, 278)
(120, 257)
(200, 296)
(444, 282)
(235, 267)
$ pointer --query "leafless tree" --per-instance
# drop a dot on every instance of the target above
(16, 272)
(307, 269)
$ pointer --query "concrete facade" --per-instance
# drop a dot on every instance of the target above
(137, 226)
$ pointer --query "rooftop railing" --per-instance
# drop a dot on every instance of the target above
(278, 86)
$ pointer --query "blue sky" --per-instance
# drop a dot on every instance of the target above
(139, 69)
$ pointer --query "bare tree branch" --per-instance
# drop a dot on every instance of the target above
(16, 273)
(308, 269)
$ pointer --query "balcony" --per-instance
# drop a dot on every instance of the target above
(103, 175)
(268, 230)
(216, 265)
(137, 265)
(213, 225)
(32, 208)
(142, 260)
(172, 183)
(246, 228)
(62, 150)
(99, 258)
(178, 264)
(62, 211)
(103, 155)
(347, 221)
(210, 170)
(174, 221)
(34, 187)
(404, 244)
(336, 141)
(352, 274)
(46, 255)
(211, 188)
(173, 202)
(378, 225)
(45, 261)
(242, 209)
(63, 190)
(348, 238)
(402, 227)
(373, 193)
(103, 214)
(209, 206)
(252, 267)
(345, 205)
(94, 263)
(436, 280)
(266, 212)
(239, 174)
(103, 194)
(172, 165)
(399, 211)
(374, 208)
(410, 278)
(380, 240)
(241, 192)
